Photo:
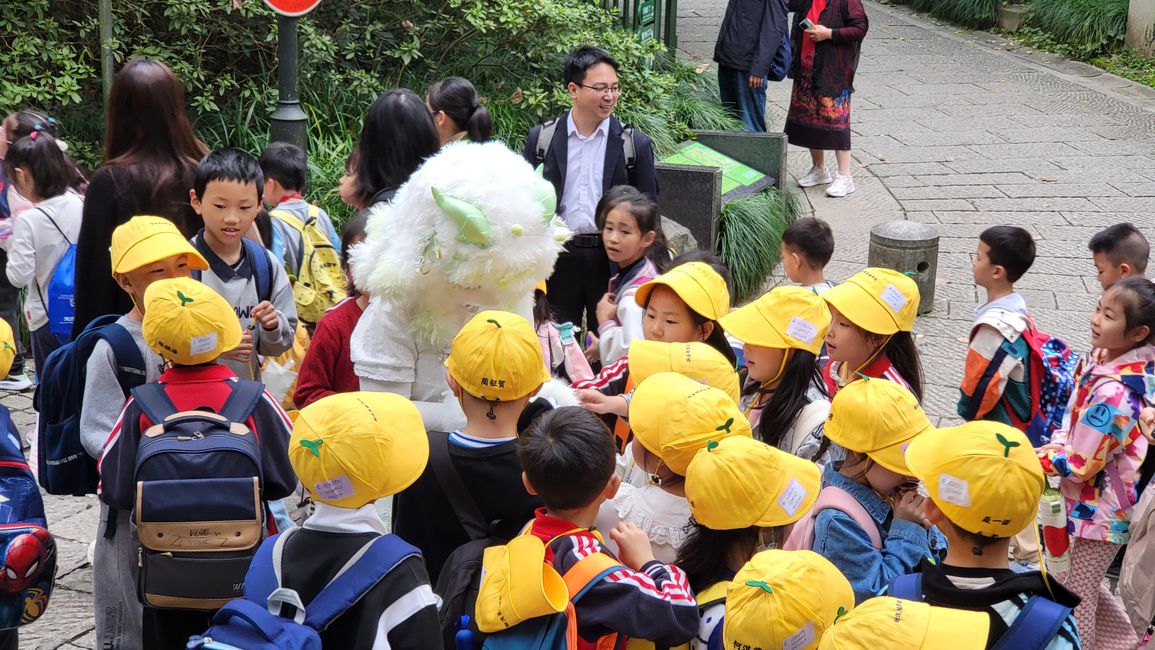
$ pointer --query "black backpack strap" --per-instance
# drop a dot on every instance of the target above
(243, 400)
(130, 370)
(153, 401)
(545, 139)
(629, 150)
(262, 268)
(464, 505)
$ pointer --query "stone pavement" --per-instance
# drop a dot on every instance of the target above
(965, 130)
(956, 129)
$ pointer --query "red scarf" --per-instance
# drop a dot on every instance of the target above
(816, 9)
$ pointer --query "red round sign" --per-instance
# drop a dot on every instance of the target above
(293, 7)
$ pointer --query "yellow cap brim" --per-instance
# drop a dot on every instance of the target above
(690, 291)
(156, 247)
(795, 468)
(959, 629)
(859, 307)
(893, 457)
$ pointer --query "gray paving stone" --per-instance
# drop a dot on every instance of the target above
(1009, 165)
(994, 178)
(946, 192)
(1039, 205)
(1043, 190)
(939, 205)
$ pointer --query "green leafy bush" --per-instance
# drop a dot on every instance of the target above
(1089, 27)
(225, 52)
(976, 14)
(749, 231)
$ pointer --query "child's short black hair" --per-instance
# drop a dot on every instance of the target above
(1138, 294)
(584, 58)
(286, 164)
(1012, 248)
(812, 238)
(978, 543)
(1121, 243)
(229, 165)
(567, 455)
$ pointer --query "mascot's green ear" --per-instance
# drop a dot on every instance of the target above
(544, 193)
(472, 225)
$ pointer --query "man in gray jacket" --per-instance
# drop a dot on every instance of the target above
(753, 46)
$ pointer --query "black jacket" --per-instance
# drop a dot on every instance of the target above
(751, 34)
(644, 178)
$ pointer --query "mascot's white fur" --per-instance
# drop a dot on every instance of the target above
(474, 228)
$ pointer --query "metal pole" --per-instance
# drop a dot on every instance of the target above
(106, 63)
(288, 123)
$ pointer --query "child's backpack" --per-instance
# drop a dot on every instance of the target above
(27, 549)
(1051, 372)
(524, 604)
(1033, 629)
(802, 536)
(254, 622)
(321, 282)
(65, 468)
(262, 270)
(61, 300)
(198, 505)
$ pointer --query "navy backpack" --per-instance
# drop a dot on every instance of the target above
(250, 624)
(64, 467)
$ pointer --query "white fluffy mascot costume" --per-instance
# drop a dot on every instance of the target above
(474, 228)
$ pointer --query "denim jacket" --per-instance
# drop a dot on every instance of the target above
(842, 541)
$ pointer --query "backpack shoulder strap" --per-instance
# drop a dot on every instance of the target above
(289, 218)
(360, 574)
(153, 401)
(242, 400)
(1035, 626)
(835, 497)
(262, 269)
(261, 580)
(545, 139)
(130, 370)
(715, 593)
(629, 150)
(586, 572)
(463, 503)
(972, 410)
(907, 587)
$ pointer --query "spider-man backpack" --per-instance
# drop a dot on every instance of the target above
(27, 549)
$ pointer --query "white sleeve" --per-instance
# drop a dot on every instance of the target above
(21, 269)
(614, 341)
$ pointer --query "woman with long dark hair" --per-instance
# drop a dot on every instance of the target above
(458, 112)
(826, 53)
(397, 136)
(150, 155)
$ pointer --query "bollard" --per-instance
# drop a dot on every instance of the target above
(908, 247)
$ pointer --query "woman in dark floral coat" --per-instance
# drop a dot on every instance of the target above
(825, 59)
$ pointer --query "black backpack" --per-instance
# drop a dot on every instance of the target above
(460, 578)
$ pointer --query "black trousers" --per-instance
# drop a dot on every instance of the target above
(580, 279)
(166, 629)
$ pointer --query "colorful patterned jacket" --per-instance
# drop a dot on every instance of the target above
(1102, 450)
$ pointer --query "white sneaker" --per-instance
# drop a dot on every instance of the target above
(16, 382)
(841, 186)
(816, 176)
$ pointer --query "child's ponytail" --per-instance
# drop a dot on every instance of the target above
(645, 213)
(788, 398)
(26, 122)
(903, 355)
(38, 153)
(1139, 304)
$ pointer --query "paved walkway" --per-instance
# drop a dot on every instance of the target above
(951, 129)
(966, 130)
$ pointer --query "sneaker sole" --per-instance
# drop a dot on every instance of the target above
(16, 387)
(839, 196)
(815, 183)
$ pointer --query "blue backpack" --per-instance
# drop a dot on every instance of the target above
(27, 549)
(198, 504)
(1036, 625)
(61, 302)
(250, 623)
(64, 467)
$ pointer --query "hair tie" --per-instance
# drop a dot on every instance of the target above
(62, 145)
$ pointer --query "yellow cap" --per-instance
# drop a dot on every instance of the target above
(188, 323)
(698, 361)
(785, 599)
(984, 476)
(878, 418)
(783, 318)
(698, 285)
(147, 239)
(880, 301)
(673, 417)
(740, 482)
(7, 348)
(497, 357)
(517, 584)
(350, 449)
(887, 622)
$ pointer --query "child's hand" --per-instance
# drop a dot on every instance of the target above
(607, 309)
(601, 404)
(1053, 446)
(593, 352)
(1147, 423)
(908, 506)
(244, 351)
(266, 314)
(633, 546)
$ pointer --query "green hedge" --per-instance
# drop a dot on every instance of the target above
(225, 52)
(976, 14)
(1089, 27)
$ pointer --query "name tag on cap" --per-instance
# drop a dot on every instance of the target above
(802, 330)
(202, 344)
(800, 639)
(954, 490)
(792, 497)
(894, 298)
